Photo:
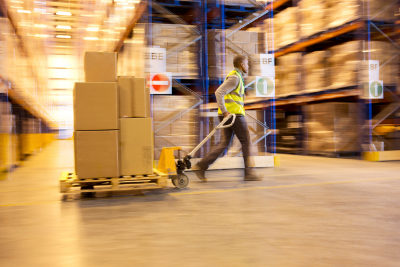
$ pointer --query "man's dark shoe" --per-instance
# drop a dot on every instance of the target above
(200, 172)
(252, 176)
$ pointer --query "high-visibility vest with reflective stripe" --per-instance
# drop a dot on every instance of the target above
(234, 101)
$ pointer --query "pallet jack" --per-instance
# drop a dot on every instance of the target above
(175, 169)
(168, 168)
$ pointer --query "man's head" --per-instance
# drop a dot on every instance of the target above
(241, 63)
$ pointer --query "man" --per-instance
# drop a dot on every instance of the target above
(230, 98)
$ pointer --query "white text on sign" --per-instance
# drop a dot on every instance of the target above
(156, 59)
(267, 64)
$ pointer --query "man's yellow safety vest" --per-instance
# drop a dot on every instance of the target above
(234, 101)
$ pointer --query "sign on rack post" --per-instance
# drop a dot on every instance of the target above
(265, 84)
(375, 86)
(160, 81)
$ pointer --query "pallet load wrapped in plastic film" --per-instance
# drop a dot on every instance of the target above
(176, 122)
(331, 128)
(238, 43)
(182, 50)
(288, 74)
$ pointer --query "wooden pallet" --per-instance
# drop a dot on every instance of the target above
(70, 184)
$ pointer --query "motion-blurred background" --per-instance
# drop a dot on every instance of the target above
(321, 50)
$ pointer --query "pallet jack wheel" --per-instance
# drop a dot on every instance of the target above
(181, 181)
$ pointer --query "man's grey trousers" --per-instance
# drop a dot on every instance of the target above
(240, 129)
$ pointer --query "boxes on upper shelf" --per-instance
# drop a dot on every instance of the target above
(315, 70)
(134, 97)
(100, 66)
(96, 154)
(96, 106)
(312, 17)
(137, 146)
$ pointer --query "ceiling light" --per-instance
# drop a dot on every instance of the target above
(63, 13)
(63, 27)
(90, 38)
(122, 3)
(40, 26)
(23, 11)
(92, 29)
(42, 35)
(13, 1)
(129, 7)
(63, 36)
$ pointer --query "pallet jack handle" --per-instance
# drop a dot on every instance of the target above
(187, 158)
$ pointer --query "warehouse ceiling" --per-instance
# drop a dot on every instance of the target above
(54, 35)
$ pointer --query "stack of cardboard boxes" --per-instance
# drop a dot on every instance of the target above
(315, 71)
(183, 62)
(240, 43)
(332, 128)
(113, 128)
(183, 131)
(286, 27)
(288, 74)
(313, 15)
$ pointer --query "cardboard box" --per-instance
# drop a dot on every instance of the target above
(96, 106)
(100, 66)
(136, 146)
(134, 97)
(96, 154)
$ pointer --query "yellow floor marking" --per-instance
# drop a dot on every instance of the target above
(222, 191)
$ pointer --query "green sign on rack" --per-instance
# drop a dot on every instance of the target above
(375, 89)
(265, 87)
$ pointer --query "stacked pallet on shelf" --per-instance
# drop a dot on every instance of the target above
(289, 136)
(286, 27)
(332, 128)
(175, 123)
(9, 155)
(315, 70)
(239, 43)
(312, 15)
(288, 74)
(178, 40)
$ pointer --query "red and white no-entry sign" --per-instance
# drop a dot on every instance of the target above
(161, 83)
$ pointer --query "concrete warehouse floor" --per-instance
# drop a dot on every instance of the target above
(310, 212)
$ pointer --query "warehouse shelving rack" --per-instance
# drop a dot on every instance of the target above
(209, 15)
(16, 145)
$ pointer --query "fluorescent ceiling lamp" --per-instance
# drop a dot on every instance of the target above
(92, 29)
(23, 11)
(42, 35)
(63, 36)
(129, 7)
(63, 13)
(13, 1)
(63, 27)
(90, 38)
(40, 26)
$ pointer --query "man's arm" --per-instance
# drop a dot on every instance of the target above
(226, 87)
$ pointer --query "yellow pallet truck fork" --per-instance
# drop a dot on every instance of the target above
(176, 169)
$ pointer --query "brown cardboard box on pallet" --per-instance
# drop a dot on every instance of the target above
(96, 106)
(137, 146)
(100, 66)
(96, 154)
(134, 100)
